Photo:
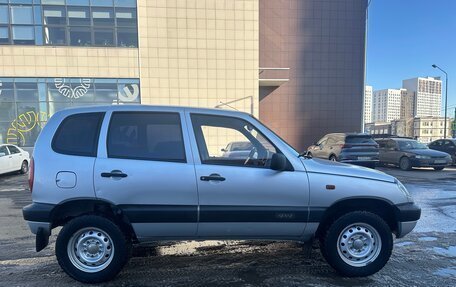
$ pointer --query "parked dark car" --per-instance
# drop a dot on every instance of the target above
(447, 145)
(408, 153)
(354, 148)
(239, 150)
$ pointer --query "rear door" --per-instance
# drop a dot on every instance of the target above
(392, 154)
(5, 160)
(15, 157)
(145, 169)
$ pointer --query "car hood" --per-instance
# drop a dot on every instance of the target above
(342, 169)
(427, 152)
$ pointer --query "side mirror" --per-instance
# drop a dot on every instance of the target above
(223, 149)
(278, 162)
(2, 154)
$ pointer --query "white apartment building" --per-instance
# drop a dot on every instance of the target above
(387, 104)
(427, 129)
(426, 93)
(368, 104)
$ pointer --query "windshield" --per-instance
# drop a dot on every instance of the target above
(266, 127)
(408, 145)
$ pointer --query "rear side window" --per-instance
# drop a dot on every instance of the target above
(359, 140)
(146, 135)
(13, 149)
(78, 134)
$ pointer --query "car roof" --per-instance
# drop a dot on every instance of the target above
(141, 107)
(348, 134)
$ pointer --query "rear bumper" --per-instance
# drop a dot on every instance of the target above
(38, 212)
(407, 216)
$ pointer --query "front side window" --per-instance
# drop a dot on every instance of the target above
(146, 136)
(78, 134)
(248, 147)
(4, 150)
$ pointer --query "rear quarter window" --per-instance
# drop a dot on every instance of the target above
(78, 135)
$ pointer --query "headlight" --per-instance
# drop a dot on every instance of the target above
(422, 157)
(404, 190)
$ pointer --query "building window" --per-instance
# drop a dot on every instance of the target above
(105, 23)
(27, 103)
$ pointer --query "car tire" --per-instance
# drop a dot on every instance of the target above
(404, 163)
(24, 167)
(369, 236)
(92, 249)
(439, 168)
(333, 158)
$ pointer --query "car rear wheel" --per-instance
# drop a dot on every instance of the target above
(405, 164)
(92, 249)
(357, 244)
(333, 158)
(24, 167)
(439, 168)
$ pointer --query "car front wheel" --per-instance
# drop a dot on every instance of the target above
(358, 244)
(405, 164)
(92, 249)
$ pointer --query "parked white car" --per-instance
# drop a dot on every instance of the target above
(13, 158)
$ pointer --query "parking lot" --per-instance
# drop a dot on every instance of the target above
(426, 257)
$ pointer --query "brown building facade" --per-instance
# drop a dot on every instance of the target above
(313, 52)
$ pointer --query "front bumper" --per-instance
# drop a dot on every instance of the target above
(38, 217)
(417, 162)
(407, 215)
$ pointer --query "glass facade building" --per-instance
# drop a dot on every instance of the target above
(102, 23)
(27, 103)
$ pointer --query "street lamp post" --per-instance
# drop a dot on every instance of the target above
(446, 98)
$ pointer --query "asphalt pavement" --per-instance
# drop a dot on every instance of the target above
(426, 257)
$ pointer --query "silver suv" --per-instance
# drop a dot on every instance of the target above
(121, 175)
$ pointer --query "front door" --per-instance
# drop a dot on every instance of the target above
(318, 150)
(242, 197)
(144, 168)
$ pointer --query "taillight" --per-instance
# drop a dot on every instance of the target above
(31, 174)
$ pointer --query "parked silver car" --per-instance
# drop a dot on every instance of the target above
(239, 149)
(121, 175)
(354, 148)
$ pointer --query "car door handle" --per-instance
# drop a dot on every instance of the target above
(114, 173)
(214, 177)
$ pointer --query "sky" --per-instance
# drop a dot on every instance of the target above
(405, 37)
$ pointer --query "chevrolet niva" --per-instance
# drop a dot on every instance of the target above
(114, 176)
